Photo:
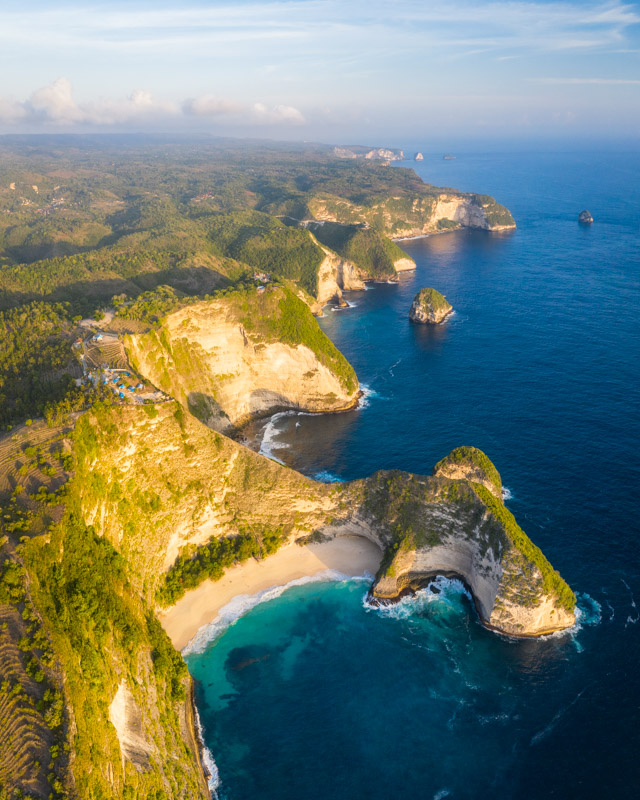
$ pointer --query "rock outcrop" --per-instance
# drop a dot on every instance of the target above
(418, 214)
(418, 157)
(365, 253)
(426, 525)
(336, 275)
(371, 154)
(585, 218)
(244, 356)
(429, 307)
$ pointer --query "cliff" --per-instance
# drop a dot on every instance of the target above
(369, 253)
(429, 211)
(146, 502)
(207, 485)
(245, 355)
(370, 154)
(429, 307)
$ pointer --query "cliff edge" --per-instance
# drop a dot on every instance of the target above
(243, 355)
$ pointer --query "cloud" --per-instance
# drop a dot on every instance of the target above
(277, 114)
(55, 106)
(209, 105)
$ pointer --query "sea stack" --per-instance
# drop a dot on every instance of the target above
(585, 218)
(429, 307)
(418, 157)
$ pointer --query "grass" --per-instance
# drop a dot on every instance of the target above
(474, 457)
(278, 315)
(553, 582)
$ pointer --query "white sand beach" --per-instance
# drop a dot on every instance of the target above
(351, 555)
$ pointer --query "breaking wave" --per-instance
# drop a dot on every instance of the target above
(269, 443)
(243, 603)
(440, 589)
(212, 774)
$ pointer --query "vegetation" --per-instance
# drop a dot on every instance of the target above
(279, 315)
(210, 561)
(553, 582)
(372, 252)
(37, 364)
(471, 457)
(266, 244)
(495, 213)
(152, 306)
(430, 298)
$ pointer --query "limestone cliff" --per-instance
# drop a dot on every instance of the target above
(88, 675)
(365, 253)
(430, 211)
(207, 485)
(245, 355)
(335, 275)
(370, 154)
(429, 307)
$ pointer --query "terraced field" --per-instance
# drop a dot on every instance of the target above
(108, 353)
(30, 456)
(25, 739)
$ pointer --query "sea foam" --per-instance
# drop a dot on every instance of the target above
(447, 590)
(213, 776)
(243, 603)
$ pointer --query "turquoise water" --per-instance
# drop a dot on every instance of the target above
(312, 694)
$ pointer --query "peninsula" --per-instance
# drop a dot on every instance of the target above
(152, 301)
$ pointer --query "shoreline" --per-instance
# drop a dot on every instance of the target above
(351, 555)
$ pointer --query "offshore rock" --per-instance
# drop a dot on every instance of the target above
(585, 218)
(418, 157)
(429, 307)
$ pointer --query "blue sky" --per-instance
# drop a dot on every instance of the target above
(349, 70)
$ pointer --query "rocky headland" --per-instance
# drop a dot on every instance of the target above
(245, 355)
(429, 307)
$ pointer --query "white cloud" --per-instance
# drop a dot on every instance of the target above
(277, 114)
(209, 105)
(54, 105)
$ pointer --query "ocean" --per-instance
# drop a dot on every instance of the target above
(314, 694)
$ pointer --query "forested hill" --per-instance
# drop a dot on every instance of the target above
(85, 218)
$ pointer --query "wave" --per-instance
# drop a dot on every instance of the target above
(344, 308)
(211, 768)
(368, 394)
(549, 728)
(507, 494)
(324, 476)
(446, 590)
(268, 443)
(243, 603)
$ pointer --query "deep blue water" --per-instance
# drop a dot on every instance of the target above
(313, 695)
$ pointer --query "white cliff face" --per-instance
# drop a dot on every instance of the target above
(335, 275)
(126, 718)
(227, 375)
(404, 264)
(420, 218)
(427, 311)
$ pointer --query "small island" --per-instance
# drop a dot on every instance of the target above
(429, 307)
(418, 157)
(585, 218)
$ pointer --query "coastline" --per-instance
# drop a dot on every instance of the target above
(350, 555)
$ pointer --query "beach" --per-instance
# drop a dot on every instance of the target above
(350, 555)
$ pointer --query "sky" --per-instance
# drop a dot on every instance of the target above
(324, 70)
